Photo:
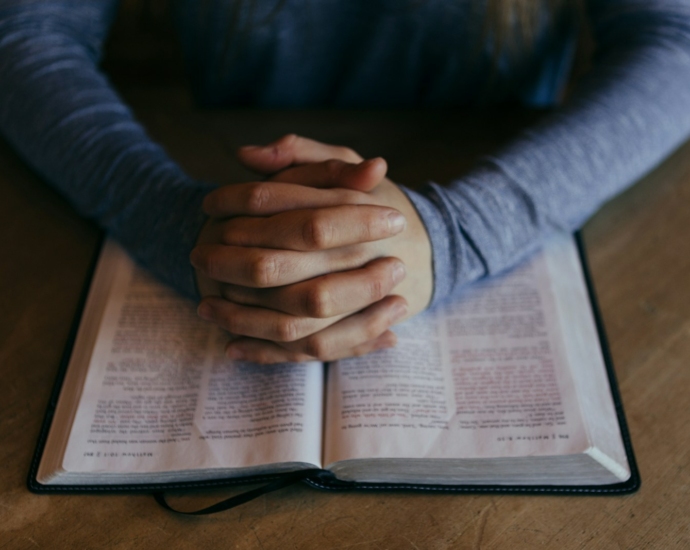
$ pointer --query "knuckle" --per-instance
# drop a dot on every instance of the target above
(264, 270)
(376, 289)
(208, 262)
(370, 225)
(287, 330)
(318, 347)
(318, 301)
(257, 198)
(317, 232)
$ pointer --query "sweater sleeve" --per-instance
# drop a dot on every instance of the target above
(63, 117)
(628, 113)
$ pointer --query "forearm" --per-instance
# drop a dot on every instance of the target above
(630, 112)
(63, 117)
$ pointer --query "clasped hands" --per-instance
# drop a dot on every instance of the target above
(317, 261)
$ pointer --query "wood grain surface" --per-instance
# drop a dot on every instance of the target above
(639, 250)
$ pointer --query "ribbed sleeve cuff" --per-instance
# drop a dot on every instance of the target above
(455, 261)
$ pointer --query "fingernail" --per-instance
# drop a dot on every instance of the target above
(399, 272)
(396, 222)
(234, 353)
(205, 311)
(399, 311)
(194, 259)
(369, 162)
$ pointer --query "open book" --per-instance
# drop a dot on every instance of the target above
(505, 387)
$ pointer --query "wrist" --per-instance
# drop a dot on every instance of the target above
(453, 258)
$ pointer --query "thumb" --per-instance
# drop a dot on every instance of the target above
(364, 176)
(291, 150)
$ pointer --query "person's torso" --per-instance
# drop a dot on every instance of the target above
(357, 53)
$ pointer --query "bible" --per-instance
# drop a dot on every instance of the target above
(507, 388)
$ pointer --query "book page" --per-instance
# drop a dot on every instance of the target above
(160, 396)
(486, 376)
(592, 383)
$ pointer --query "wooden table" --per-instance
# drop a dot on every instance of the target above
(639, 249)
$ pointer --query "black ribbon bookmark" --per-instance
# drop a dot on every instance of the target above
(283, 481)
